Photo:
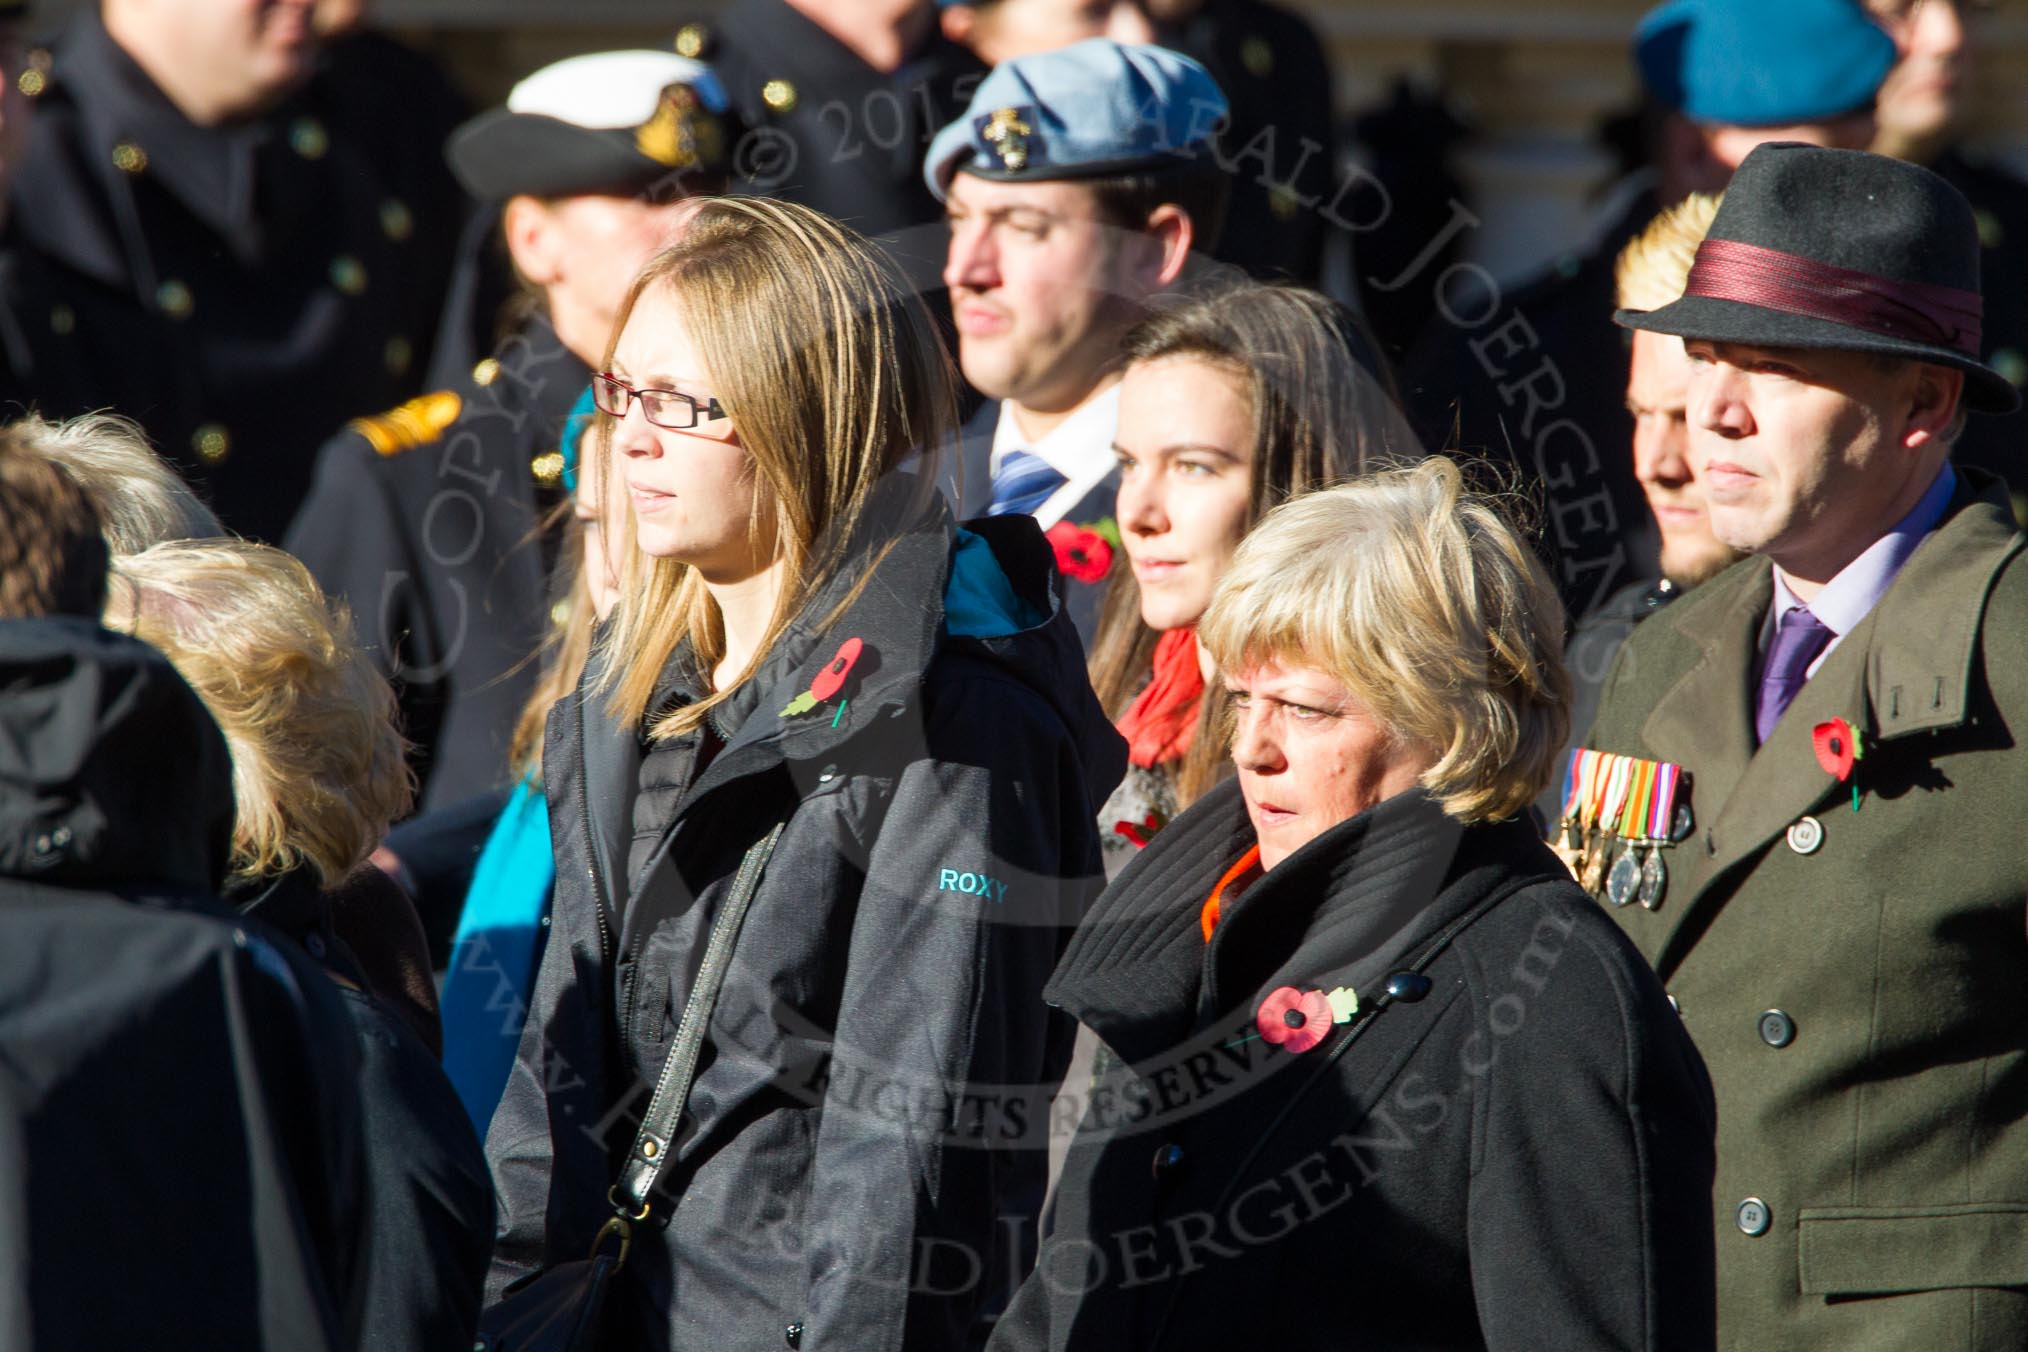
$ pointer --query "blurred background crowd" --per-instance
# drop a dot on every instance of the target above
(1439, 168)
(363, 273)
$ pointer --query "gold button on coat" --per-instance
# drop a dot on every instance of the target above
(175, 299)
(211, 442)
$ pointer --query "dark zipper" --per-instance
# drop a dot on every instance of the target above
(591, 855)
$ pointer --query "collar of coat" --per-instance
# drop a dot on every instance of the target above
(898, 614)
(210, 170)
(1911, 666)
(1346, 909)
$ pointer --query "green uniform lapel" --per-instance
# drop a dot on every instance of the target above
(1907, 668)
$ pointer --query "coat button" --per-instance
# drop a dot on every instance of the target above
(1806, 836)
(308, 138)
(793, 1335)
(173, 298)
(1753, 1217)
(1408, 987)
(1777, 1029)
(212, 443)
(348, 274)
(1168, 1159)
(397, 222)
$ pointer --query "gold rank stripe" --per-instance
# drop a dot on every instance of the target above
(420, 420)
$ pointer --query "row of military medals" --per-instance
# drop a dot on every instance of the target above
(1624, 804)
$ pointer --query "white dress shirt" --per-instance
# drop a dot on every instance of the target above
(1080, 449)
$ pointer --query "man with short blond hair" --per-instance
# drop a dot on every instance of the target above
(1650, 273)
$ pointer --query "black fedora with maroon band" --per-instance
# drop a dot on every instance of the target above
(1840, 249)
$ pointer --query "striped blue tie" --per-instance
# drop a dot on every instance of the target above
(1024, 483)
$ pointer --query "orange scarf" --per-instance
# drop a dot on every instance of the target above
(1207, 919)
(1161, 721)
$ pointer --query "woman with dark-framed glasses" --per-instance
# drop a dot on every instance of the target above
(819, 700)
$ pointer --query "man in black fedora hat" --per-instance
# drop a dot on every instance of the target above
(1840, 919)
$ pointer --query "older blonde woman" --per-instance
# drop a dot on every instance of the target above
(1379, 1075)
(318, 772)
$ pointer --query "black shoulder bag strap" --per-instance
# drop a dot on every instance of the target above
(664, 1117)
(561, 1308)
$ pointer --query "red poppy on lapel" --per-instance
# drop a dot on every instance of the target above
(1294, 1020)
(1083, 553)
(1837, 748)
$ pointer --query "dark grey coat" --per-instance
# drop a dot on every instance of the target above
(1521, 1158)
(866, 1159)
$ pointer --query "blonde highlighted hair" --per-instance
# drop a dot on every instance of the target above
(318, 764)
(1655, 267)
(1433, 612)
(833, 375)
(141, 499)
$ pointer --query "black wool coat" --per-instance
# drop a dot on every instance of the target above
(1518, 1156)
(180, 1123)
(240, 290)
(864, 1160)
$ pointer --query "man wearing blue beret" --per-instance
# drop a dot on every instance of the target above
(1533, 379)
(1077, 185)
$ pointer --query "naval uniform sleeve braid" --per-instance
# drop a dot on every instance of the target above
(1589, 1219)
(931, 1154)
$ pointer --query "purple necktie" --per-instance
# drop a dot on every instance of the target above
(1799, 637)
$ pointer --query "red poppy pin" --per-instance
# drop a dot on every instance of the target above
(1838, 749)
(1084, 553)
(1298, 1020)
(829, 681)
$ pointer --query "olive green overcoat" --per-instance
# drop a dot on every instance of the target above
(1862, 1007)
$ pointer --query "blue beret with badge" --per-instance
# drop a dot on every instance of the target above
(1089, 110)
(1762, 63)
